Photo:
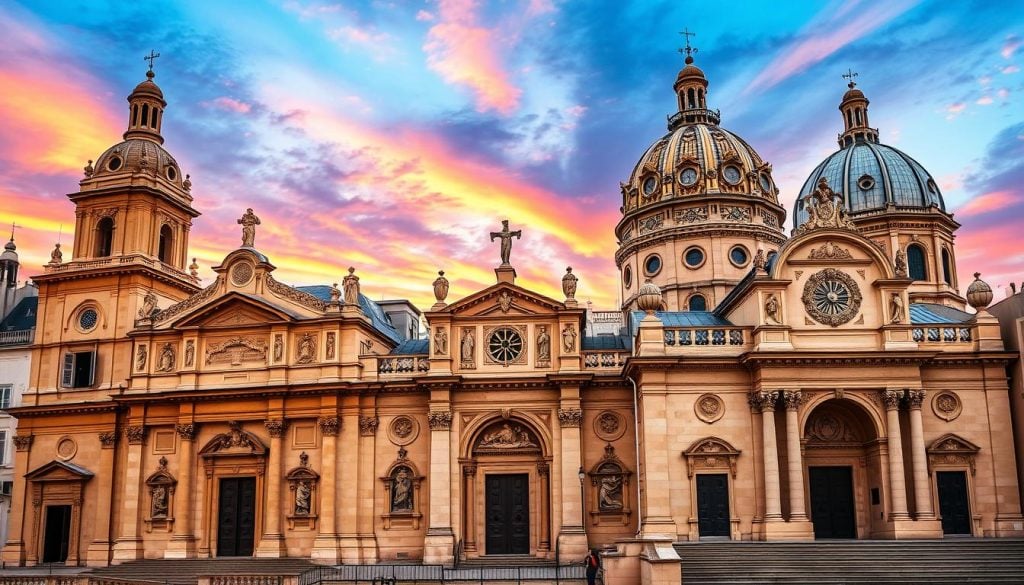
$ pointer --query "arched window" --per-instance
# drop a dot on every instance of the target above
(164, 249)
(858, 116)
(145, 115)
(915, 262)
(700, 98)
(104, 237)
(947, 267)
(698, 303)
(692, 101)
(152, 118)
(849, 118)
(135, 115)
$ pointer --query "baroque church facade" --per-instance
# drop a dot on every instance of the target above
(828, 384)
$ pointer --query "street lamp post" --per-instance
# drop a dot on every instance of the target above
(583, 501)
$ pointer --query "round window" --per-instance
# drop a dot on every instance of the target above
(866, 182)
(88, 319)
(694, 257)
(766, 183)
(114, 164)
(738, 256)
(650, 184)
(732, 174)
(505, 345)
(688, 176)
(627, 276)
(652, 265)
(171, 173)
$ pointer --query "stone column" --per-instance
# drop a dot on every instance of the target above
(348, 478)
(897, 485)
(469, 494)
(797, 506)
(367, 488)
(183, 542)
(772, 494)
(98, 553)
(129, 545)
(440, 541)
(325, 547)
(572, 536)
(544, 471)
(918, 458)
(18, 539)
(272, 543)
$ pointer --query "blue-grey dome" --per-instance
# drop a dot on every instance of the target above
(870, 176)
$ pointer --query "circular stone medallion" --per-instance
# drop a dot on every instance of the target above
(946, 405)
(403, 430)
(709, 408)
(241, 274)
(831, 297)
(66, 449)
(609, 425)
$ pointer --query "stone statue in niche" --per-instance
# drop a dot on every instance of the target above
(248, 221)
(901, 264)
(140, 358)
(401, 491)
(330, 346)
(543, 344)
(609, 495)
(897, 310)
(569, 338)
(166, 358)
(190, 353)
(771, 311)
(441, 341)
(278, 348)
(467, 346)
(302, 496)
(307, 349)
(507, 437)
(159, 502)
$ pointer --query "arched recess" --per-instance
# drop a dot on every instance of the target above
(711, 458)
(165, 244)
(160, 487)
(506, 455)
(917, 264)
(303, 485)
(610, 492)
(104, 237)
(403, 501)
(845, 477)
(235, 454)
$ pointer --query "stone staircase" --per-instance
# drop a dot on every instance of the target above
(188, 571)
(989, 561)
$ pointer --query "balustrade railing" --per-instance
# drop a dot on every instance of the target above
(705, 336)
(118, 261)
(942, 334)
(403, 364)
(596, 359)
(22, 337)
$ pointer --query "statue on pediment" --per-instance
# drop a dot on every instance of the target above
(248, 221)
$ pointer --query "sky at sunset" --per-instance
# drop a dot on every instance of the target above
(394, 135)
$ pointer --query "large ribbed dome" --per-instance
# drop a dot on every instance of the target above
(873, 176)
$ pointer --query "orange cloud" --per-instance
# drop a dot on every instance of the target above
(466, 54)
(987, 202)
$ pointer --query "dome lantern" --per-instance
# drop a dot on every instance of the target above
(691, 92)
(146, 107)
(854, 108)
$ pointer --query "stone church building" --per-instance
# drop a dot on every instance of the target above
(828, 384)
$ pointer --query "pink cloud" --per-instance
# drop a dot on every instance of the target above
(826, 35)
(424, 16)
(1010, 69)
(955, 109)
(233, 105)
(358, 35)
(466, 54)
(987, 202)
(1010, 46)
(984, 100)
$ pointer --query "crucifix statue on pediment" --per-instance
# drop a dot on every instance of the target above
(506, 236)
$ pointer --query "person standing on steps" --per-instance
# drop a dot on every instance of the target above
(593, 565)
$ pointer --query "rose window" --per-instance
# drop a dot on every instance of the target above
(505, 345)
(831, 297)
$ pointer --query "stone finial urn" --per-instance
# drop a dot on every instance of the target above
(440, 287)
(649, 298)
(979, 294)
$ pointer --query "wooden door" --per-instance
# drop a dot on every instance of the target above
(832, 510)
(57, 534)
(713, 504)
(236, 517)
(953, 505)
(508, 514)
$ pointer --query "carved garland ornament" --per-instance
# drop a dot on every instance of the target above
(831, 297)
(189, 302)
(293, 294)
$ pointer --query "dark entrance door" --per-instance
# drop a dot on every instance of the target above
(832, 502)
(713, 504)
(953, 506)
(236, 520)
(508, 514)
(57, 534)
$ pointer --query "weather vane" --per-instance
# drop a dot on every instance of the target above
(850, 74)
(688, 49)
(151, 57)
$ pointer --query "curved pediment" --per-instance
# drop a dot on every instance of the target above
(233, 443)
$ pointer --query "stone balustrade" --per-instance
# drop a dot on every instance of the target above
(942, 335)
(23, 337)
(403, 364)
(706, 336)
(601, 359)
(133, 259)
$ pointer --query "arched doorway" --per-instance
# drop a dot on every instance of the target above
(506, 490)
(844, 470)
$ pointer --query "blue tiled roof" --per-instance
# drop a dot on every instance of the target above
(378, 318)
(604, 342)
(681, 319)
(411, 347)
(22, 317)
(932, 314)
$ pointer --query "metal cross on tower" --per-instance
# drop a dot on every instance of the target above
(151, 57)
(850, 74)
(688, 49)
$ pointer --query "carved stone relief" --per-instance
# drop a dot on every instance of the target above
(236, 351)
(570, 417)
(403, 430)
(609, 425)
(506, 436)
(709, 408)
(947, 405)
(305, 351)
(692, 215)
(829, 251)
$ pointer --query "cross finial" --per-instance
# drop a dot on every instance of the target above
(13, 225)
(850, 74)
(688, 49)
(151, 57)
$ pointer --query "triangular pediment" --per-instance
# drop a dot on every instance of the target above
(950, 443)
(59, 471)
(504, 299)
(234, 310)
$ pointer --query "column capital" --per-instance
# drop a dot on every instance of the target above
(762, 401)
(275, 427)
(136, 434)
(187, 431)
(439, 420)
(329, 425)
(915, 398)
(792, 399)
(891, 399)
(368, 425)
(469, 469)
(23, 442)
(108, 439)
(570, 417)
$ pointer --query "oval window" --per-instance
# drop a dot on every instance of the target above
(694, 257)
(738, 256)
(688, 176)
(627, 276)
(731, 174)
(114, 164)
(866, 182)
(766, 183)
(650, 184)
(171, 173)
(652, 265)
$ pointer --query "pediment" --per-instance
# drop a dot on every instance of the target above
(235, 442)
(952, 444)
(504, 299)
(235, 310)
(59, 471)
